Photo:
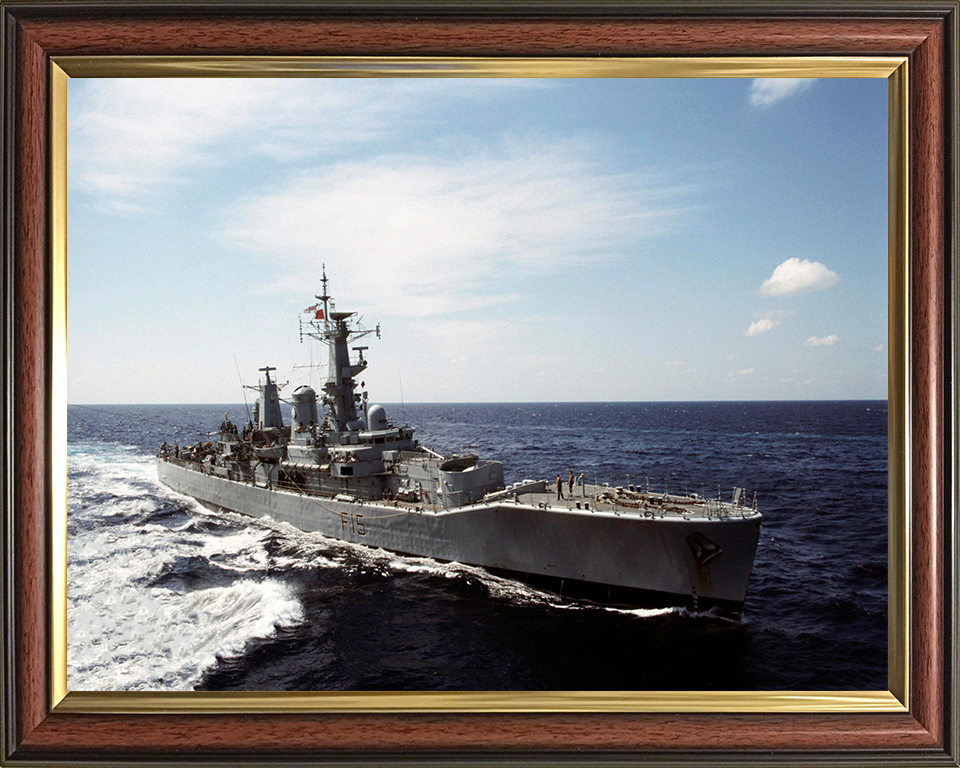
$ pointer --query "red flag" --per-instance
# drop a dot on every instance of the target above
(319, 315)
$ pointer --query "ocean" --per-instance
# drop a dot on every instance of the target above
(164, 595)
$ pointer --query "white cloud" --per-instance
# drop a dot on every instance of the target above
(128, 136)
(825, 341)
(765, 91)
(676, 363)
(796, 276)
(132, 139)
(745, 372)
(878, 348)
(762, 325)
(431, 235)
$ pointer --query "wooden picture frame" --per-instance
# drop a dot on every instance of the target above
(38, 728)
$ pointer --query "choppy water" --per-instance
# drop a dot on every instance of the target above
(163, 595)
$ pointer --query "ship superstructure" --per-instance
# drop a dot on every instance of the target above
(343, 469)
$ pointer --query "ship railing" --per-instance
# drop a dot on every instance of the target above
(741, 503)
(184, 463)
(431, 458)
(454, 499)
(719, 508)
(288, 485)
(417, 458)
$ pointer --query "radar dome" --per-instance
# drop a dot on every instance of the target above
(304, 407)
(376, 418)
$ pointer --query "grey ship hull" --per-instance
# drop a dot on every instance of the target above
(619, 557)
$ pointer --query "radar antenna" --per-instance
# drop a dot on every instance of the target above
(336, 332)
(325, 298)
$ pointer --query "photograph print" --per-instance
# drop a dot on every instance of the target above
(477, 384)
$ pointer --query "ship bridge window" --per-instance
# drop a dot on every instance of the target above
(346, 471)
(379, 440)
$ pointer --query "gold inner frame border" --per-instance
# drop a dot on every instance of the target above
(895, 699)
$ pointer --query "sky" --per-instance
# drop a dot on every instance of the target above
(517, 240)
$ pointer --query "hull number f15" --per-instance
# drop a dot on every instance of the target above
(355, 521)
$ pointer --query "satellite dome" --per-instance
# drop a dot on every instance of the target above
(376, 418)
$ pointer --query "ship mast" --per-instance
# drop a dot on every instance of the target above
(339, 390)
(325, 298)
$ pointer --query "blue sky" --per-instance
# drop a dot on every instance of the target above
(517, 239)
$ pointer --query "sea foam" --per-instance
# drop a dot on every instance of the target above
(125, 632)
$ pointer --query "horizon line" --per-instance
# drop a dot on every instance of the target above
(545, 402)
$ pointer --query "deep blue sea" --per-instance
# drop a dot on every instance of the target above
(164, 595)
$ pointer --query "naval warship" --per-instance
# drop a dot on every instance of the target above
(343, 469)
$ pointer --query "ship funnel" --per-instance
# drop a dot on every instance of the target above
(304, 408)
(269, 402)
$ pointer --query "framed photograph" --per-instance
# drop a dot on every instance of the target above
(887, 106)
